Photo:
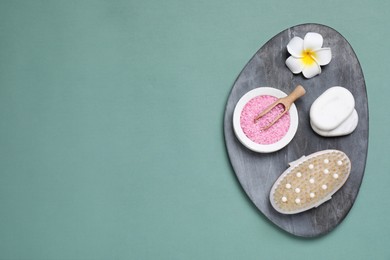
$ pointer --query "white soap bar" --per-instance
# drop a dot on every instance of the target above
(332, 108)
(345, 128)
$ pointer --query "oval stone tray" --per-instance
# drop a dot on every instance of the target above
(257, 172)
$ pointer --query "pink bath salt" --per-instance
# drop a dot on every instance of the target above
(254, 130)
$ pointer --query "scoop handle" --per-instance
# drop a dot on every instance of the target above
(298, 92)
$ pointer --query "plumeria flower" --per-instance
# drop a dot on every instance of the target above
(307, 55)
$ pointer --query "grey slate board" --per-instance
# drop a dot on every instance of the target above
(257, 172)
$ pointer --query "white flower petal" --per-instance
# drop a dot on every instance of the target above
(312, 41)
(294, 64)
(310, 71)
(323, 56)
(295, 47)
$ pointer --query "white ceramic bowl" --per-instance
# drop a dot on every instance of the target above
(264, 148)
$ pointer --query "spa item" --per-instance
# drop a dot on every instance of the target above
(307, 55)
(310, 181)
(251, 134)
(331, 108)
(345, 128)
(286, 102)
(333, 113)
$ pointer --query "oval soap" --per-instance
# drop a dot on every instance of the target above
(332, 108)
(345, 128)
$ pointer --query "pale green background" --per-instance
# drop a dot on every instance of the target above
(111, 138)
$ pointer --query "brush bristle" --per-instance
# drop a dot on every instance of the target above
(311, 182)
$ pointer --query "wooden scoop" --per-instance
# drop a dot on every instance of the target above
(298, 92)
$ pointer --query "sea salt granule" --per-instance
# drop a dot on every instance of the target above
(254, 130)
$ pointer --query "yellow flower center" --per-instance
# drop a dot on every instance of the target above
(308, 56)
